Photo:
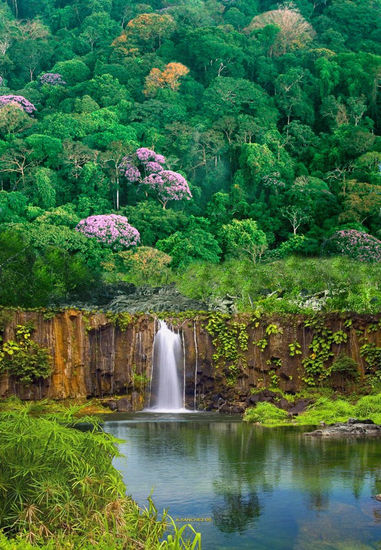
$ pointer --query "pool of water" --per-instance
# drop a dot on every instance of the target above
(246, 487)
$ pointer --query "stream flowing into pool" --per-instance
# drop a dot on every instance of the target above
(251, 488)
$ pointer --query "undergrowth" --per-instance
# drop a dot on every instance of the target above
(324, 409)
(59, 489)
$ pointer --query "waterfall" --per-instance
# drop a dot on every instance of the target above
(195, 366)
(168, 394)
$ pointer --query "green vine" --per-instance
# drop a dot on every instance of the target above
(321, 351)
(372, 355)
(273, 329)
(24, 358)
(261, 344)
(121, 320)
(230, 340)
(294, 349)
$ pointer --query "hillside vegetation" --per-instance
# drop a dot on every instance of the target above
(150, 142)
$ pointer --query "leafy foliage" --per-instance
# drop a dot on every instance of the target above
(265, 116)
(24, 358)
(60, 489)
(265, 413)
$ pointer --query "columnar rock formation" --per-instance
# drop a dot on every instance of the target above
(96, 356)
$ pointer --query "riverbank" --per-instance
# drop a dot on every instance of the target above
(326, 408)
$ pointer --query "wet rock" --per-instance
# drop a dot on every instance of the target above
(263, 396)
(299, 407)
(124, 405)
(147, 299)
(357, 421)
(283, 404)
(352, 428)
(112, 404)
(236, 408)
(378, 497)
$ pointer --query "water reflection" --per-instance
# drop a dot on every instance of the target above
(264, 489)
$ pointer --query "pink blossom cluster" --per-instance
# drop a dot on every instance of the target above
(147, 168)
(129, 170)
(152, 166)
(109, 229)
(169, 186)
(357, 244)
(53, 79)
(145, 155)
(26, 105)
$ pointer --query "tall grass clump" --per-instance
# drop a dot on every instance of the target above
(59, 489)
(265, 413)
(369, 406)
(328, 411)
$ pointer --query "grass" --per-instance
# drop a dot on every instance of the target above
(324, 409)
(265, 413)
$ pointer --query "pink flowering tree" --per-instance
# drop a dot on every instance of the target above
(110, 229)
(147, 169)
(356, 244)
(52, 79)
(18, 100)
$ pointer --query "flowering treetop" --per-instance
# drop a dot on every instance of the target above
(19, 100)
(147, 168)
(53, 79)
(168, 185)
(357, 244)
(110, 229)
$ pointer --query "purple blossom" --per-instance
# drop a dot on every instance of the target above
(160, 159)
(169, 186)
(356, 244)
(129, 170)
(53, 79)
(153, 166)
(19, 100)
(110, 229)
(145, 154)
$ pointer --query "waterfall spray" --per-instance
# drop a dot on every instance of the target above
(166, 390)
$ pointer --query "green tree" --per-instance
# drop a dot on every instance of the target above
(243, 238)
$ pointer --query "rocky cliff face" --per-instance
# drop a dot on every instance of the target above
(224, 357)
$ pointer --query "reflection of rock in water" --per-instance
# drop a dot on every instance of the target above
(237, 512)
(341, 528)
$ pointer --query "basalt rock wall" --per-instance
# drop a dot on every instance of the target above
(94, 355)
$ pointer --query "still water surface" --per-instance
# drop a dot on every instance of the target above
(246, 487)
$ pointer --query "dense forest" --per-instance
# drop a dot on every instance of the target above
(224, 145)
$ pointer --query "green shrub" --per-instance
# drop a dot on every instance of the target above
(345, 365)
(265, 413)
(60, 491)
(369, 406)
(352, 285)
(327, 410)
(24, 358)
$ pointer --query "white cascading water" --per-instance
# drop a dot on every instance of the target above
(168, 393)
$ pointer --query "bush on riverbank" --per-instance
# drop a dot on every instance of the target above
(59, 489)
(325, 409)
